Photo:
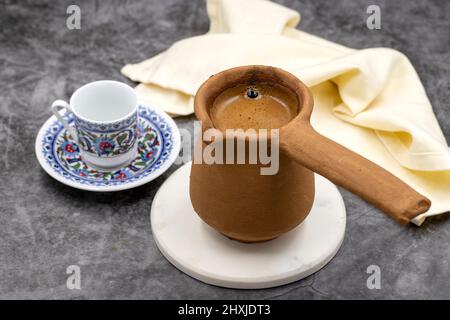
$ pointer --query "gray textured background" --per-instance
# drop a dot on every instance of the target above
(46, 226)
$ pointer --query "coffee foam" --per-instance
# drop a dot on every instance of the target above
(239, 108)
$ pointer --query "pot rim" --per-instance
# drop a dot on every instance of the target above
(251, 75)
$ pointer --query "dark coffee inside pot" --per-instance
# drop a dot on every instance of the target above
(261, 106)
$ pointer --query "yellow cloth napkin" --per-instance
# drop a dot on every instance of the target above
(371, 100)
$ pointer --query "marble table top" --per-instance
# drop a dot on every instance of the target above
(45, 226)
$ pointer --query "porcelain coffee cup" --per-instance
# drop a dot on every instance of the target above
(105, 120)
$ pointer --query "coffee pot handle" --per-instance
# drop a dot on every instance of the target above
(61, 104)
(353, 172)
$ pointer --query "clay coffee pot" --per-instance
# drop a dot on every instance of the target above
(241, 203)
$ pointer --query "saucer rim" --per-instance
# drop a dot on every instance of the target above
(110, 188)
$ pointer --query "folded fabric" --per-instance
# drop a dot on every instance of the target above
(371, 100)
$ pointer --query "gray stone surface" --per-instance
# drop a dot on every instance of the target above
(46, 226)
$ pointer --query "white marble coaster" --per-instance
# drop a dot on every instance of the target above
(201, 252)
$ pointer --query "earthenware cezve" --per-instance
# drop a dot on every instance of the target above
(239, 202)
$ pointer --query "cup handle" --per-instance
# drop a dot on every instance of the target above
(61, 104)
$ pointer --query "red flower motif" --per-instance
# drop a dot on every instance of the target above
(105, 145)
(121, 175)
(70, 148)
(146, 156)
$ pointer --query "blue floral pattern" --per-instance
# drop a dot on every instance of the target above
(106, 140)
(103, 128)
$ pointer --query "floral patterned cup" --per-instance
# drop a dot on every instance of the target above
(105, 114)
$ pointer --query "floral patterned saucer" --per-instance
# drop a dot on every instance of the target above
(158, 144)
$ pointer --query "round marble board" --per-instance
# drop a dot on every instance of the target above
(203, 253)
